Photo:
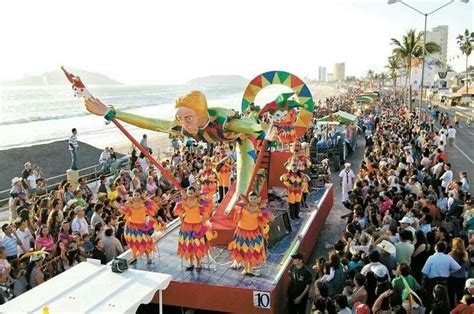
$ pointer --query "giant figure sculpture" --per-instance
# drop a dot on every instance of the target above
(195, 119)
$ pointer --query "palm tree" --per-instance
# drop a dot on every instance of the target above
(383, 77)
(393, 67)
(370, 75)
(465, 42)
(376, 79)
(411, 47)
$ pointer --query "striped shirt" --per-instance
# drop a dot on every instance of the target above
(10, 244)
(73, 142)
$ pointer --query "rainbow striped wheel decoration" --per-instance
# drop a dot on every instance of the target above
(287, 79)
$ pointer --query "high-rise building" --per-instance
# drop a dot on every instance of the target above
(322, 74)
(439, 35)
(339, 72)
(330, 77)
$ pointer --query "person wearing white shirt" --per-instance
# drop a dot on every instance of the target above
(436, 169)
(447, 177)
(143, 161)
(144, 141)
(191, 178)
(374, 258)
(24, 235)
(31, 179)
(105, 160)
(347, 181)
(442, 135)
(73, 146)
(79, 223)
(442, 204)
(450, 199)
(451, 136)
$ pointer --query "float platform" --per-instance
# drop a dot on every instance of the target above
(217, 287)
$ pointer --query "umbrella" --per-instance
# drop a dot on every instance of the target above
(364, 99)
(340, 116)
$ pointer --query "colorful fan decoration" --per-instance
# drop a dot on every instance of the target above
(287, 79)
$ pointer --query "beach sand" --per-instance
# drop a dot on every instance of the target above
(54, 158)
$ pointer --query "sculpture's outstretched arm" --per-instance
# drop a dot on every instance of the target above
(96, 106)
(247, 126)
(157, 125)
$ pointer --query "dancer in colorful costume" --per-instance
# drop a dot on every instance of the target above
(283, 114)
(208, 178)
(195, 232)
(300, 158)
(224, 169)
(140, 224)
(248, 246)
(293, 180)
(303, 163)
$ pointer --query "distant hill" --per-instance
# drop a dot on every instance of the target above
(58, 78)
(219, 80)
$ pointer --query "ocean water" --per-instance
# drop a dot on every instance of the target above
(37, 115)
(42, 114)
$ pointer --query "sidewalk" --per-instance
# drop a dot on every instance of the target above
(334, 225)
(465, 112)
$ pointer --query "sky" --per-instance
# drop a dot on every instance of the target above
(172, 41)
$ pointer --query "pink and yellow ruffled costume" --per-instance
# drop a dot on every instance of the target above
(194, 234)
(252, 229)
(139, 226)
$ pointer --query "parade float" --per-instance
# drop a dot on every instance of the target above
(262, 178)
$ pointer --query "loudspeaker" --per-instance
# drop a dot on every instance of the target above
(279, 228)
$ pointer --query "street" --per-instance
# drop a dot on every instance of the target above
(461, 156)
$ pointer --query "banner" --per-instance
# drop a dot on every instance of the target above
(402, 79)
(429, 75)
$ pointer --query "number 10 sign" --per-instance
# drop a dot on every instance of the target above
(261, 299)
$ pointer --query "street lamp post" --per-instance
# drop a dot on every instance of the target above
(424, 43)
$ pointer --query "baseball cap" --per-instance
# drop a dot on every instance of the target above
(298, 255)
(71, 202)
(470, 283)
(406, 220)
(78, 208)
(380, 271)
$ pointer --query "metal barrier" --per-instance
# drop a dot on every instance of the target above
(91, 174)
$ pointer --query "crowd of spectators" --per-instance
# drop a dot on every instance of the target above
(408, 246)
(72, 224)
